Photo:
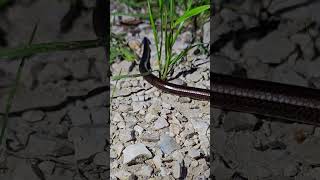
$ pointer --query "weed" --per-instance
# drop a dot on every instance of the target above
(119, 48)
(171, 25)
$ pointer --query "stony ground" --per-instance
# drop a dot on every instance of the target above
(57, 128)
(279, 43)
(155, 135)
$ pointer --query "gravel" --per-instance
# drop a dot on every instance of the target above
(168, 126)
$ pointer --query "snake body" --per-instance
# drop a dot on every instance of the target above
(145, 69)
(276, 100)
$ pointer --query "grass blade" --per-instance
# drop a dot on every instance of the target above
(190, 13)
(182, 53)
(19, 52)
(14, 89)
(118, 77)
(154, 29)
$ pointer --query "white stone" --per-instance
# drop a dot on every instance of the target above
(134, 152)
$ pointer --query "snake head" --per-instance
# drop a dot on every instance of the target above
(146, 41)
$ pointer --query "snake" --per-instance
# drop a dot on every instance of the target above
(269, 99)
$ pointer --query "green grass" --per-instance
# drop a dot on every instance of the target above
(13, 90)
(119, 48)
(28, 50)
(171, 25)
(167, 23)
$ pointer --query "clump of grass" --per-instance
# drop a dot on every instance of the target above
(119, 48)
(171, 25)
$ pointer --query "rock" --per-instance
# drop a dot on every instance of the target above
(314, 173)
(288, 76)
(194, 153)
(79, 116)
(200, 126)
(164, 172)
(46, 167)
(134, 45)
(157, 93)
(181, 118)
(139, 129)
(44, 146)
(164, 113)
(124, 175)
(124, 108)
(60, 130)
(166, 106)
(234, 121)
(79, 67)
(150, 137)
(160, 123)
(206, 33)
(117, 117)
(137, 106)
(100, 115)
(194, 77)
(176, 170)
(136, 153)
(126, 135)
(221, 172)
(306, 44)
(222, 64)
(157, 161)
(87, 141)
(311, 68)
(33, 116)
(150, 117)
(145, 171)
(113, 154)
(118, 148)
(125, 84)
(138, 98)
(52, 72)
(121, 125)
(178, 156)
(168, 144)
(307, 151)
(189, 142)
(292, 170)
(23, 170)
(130, 121)
(256, 69)
(101, 158)
(178, 82)
(267, 50)
(116, 67)
(184, 100)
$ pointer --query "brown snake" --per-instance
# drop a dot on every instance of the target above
(289, 102)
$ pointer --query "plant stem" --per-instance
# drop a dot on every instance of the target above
(29, 50)
(5, 118)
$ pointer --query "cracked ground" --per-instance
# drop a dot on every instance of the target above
(271, 40)
(57, 126)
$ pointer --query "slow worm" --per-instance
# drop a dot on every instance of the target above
(288, 102)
